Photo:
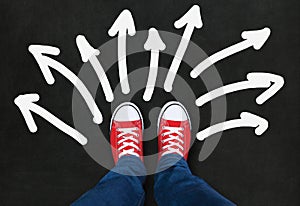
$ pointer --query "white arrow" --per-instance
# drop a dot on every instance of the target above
(88, 53)
(153, 44)
(254, 80)
(192, 19)
(45, 63)
(255, 39)
(27, 106)
(123, 25)
(246, 120)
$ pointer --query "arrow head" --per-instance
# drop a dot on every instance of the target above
(260, 124)
(154, 41)
(24, 102)
(261, 79)
(38, 52)
(124, 23)
(85, 49)
(192, 17)
(257, 38)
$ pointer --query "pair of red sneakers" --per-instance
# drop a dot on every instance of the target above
(126, 135)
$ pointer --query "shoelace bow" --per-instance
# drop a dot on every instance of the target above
(128, 138)
(175, 142)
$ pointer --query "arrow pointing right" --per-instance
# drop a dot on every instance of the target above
(254, 80)
(27, 106)
(255, 39)
(154, 44)
(124, 24)
(246, 120)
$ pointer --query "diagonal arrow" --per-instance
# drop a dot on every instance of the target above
(46, 62)
(124, 24)
(246, 120)
(192, 19)
(27, 107)
(255, 39)
(153, 44)
(88, 53)
(254, 80)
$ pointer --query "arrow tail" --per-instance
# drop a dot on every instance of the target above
(223, 91)
(122, 62)
(219, 56)
(152, 75)
(58, 123)
(202, 135)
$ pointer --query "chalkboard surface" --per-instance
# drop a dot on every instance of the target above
(49, 168)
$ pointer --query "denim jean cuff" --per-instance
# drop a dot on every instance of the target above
(130, 165)
(170, 160)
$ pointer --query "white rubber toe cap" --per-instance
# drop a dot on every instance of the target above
(127, 113)
(175, 112)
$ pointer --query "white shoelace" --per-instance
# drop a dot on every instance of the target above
(171, 140)
(123, 138)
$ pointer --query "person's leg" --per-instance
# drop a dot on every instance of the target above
(118, 189)
(174, 182)
(123, 185)
(175, 185)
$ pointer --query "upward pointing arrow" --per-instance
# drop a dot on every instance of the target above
(192, 19)
(255, 39)
(27, 106)
(46, 62)
(88, 53)
(124, 24)
(153, 44)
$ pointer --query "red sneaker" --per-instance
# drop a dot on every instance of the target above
(126, 130)
(174, 130)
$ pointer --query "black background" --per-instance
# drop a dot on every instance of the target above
(49, 168)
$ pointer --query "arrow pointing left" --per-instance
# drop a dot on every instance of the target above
(27, 107)
(46, 62)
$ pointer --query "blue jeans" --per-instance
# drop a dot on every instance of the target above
(173, 186)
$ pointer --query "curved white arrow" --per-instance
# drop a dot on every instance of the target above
(27, 106)
(254, 80)
(192, 19)
(88, 53)
(124, 24)
(255, 39)
(153, 44)
(46, 62)
(246, 120)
